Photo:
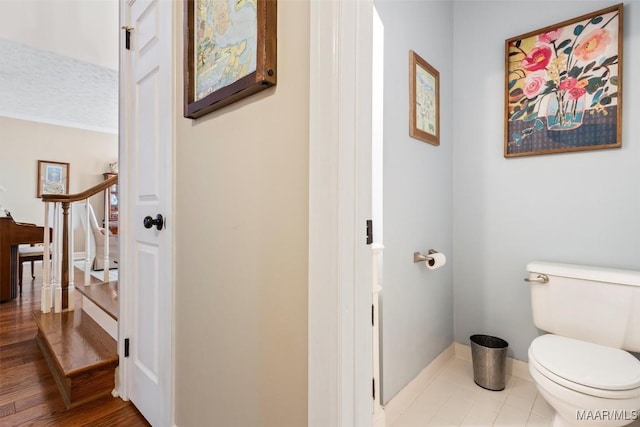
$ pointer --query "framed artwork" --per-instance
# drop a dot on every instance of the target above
(229, 52)
(563, 86)
(424, 100)
(53, 178)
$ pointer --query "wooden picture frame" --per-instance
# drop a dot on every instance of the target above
(424, 100)
(53, 178)
(563, 86)
(218, 73)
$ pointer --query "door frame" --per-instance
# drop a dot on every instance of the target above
(340, 266)
(340, 345)
(122, 372)
(126, 282)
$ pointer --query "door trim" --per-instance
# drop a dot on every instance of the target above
(340, 343)
(122, 372)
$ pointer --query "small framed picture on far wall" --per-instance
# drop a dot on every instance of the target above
(424, 100)
(53, 178)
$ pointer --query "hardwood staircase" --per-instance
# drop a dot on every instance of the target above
(80, 354)
(77, 331)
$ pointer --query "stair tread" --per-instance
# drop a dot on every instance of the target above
(104, 295)
(77, 342)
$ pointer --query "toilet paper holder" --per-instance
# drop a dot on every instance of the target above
(418, 257)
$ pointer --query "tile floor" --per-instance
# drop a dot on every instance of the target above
(453, 399)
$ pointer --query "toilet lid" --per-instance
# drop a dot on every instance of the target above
(586, 363)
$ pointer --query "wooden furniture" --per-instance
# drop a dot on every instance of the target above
(30, 254)
(113, 204)
(13, 234)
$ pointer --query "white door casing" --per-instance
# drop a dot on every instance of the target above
(146, 182)
(340, 263)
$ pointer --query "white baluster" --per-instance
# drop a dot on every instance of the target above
(106, 234)
(57, 258)
(71, 269)
(45, 303)
(87, 245)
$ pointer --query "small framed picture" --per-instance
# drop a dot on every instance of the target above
(424, 100)
(53, 178)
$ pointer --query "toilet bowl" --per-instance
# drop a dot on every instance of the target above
(582, 367)
(587, 384)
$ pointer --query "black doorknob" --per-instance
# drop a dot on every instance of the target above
(150, 222)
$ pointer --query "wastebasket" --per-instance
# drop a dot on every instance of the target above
(489, 356)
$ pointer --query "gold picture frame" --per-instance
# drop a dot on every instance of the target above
(230, 52)
(563, 86)
(53, 178)
(424, 100)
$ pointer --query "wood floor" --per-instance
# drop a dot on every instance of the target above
(28, 392)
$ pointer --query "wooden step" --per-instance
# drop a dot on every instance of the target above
(104, 295)
(81, 356)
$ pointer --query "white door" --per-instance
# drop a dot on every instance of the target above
(146, 155)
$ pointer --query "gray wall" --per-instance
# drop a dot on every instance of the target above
(581, 207)
(417, 307)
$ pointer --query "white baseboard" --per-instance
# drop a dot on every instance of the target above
(105, 321)
(515, 367)
(411, 391)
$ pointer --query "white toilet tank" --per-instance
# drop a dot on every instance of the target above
(598, 305)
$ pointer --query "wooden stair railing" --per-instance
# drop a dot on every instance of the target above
(57, 287)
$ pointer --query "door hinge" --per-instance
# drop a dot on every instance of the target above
(373, 323)
(373, 388)
(127, 37)
(126, 347)
(369, 232)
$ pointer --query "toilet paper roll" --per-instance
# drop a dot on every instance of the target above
(436, 260)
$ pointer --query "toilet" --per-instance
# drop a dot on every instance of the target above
(581, 366)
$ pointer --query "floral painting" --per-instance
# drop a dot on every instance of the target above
(564, 86)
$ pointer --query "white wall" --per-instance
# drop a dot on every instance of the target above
(23, 143)
(417, 307)
(241, 221)
(81, 29)
(581, 207)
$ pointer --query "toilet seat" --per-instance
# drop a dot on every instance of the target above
(586, 367)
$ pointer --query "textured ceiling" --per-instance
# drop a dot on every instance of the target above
(46, 87)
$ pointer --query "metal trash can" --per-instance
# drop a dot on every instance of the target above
(489, 356)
